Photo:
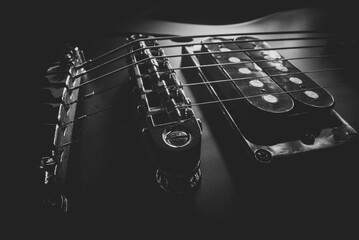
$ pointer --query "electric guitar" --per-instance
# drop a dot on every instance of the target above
(175, 125)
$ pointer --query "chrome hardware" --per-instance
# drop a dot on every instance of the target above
(53, 160)
(263, 155)
(176, 138)
(166, 116)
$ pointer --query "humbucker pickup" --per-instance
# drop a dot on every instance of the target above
(276, 108)
(274, 88)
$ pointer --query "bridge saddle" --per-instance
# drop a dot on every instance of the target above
(173, 131)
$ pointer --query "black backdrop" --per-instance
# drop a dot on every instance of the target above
(58, 19)
(36, 26)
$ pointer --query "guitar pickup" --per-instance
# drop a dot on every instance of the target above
(276, 108)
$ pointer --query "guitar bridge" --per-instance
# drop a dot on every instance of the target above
(59, 108)
(169, 122)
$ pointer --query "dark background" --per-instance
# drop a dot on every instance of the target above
(54, 20)
(42, 24)
(34, 27)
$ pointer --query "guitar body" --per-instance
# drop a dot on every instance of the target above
(109, 178)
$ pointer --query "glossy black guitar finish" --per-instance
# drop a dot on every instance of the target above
(255, 148)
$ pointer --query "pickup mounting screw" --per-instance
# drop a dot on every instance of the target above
(263, 155)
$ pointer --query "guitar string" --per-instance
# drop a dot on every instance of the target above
(209, 43)
(88, 115)
(176, 37)
(197, 104)
(222, 81)
(182, 55)
(209, 102)
(243, 79)
(234, 98)
(85, 116)
(242, 34)
(106, 131)
(258, 95)
(194, 44)
(239, 63)
(180, 106)
(271, 75)
(188, 44)
(215, 81)
(86, 96)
